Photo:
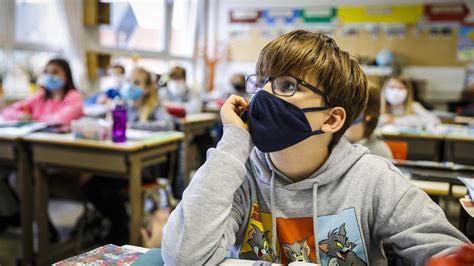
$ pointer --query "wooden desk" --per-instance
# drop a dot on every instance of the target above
(125, 160)
(193, 125)
(421, 146)
(459, 149)
(14, 153)
(437, 147)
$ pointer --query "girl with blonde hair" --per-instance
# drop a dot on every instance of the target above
(399, 107)
(144, 109)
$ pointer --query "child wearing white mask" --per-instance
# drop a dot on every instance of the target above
(177, 93)
(399, 107)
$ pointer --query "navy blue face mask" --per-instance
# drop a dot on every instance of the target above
(276, 124)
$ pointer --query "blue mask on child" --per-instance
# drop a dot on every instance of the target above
(275, 124)
(51, 82)
(131, 91)
(358, 120)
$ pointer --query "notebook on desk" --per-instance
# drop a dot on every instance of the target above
(469, 183)
(105, 255)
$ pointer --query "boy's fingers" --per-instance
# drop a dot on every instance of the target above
(145, 236)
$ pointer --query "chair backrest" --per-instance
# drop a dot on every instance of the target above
(399, 149)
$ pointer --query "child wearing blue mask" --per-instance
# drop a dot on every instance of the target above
(144, 108)
(57, 102)
(302, 193)
(362, 129)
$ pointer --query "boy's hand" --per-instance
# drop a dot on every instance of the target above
(153, 239)
(231, 111)
(463, 257)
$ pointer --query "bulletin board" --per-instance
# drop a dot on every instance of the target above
(417, 47)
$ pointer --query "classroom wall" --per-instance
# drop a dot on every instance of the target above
(443, 73)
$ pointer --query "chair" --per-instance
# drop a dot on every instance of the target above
(399, 149)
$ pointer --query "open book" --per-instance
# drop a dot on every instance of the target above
(105, 255)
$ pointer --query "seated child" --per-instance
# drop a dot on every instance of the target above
(399, 107)
(362, 129)
(302, 193)
(144, 108)
(56, 103)
(176, 92)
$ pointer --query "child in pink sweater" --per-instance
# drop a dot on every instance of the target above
(56, 103)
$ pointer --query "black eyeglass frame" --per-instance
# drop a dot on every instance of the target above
(271, 79)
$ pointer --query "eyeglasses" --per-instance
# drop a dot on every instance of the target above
(284, 86)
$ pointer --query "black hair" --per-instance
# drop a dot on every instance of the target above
(68, 83)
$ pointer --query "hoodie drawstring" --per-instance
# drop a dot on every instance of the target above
(272, 211)
(315, 222)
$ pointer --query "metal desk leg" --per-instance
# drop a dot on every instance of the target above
(24, 177)
(41, 194)
(135, 196)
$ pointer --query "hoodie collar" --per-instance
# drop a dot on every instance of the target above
(341, 159)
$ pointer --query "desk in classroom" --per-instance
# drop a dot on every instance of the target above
(14, 153)
(420, 146)
(437, 147)
(459, 149)
(192, 125)
(124, 160)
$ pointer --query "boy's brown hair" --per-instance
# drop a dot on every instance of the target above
(372, 110)
(339, 75)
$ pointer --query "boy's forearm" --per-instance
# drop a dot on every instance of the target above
(202, 228)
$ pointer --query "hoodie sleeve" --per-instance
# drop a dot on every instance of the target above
(415, 226)
(14, 111)
(201, 230)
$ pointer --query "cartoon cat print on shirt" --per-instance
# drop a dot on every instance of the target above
(259, 243)
(339, 249)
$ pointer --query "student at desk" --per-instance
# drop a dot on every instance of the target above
(176, 93)
(115, 80)
(57, 102)
(399, 107)
(144, 109)
(145, 113)
(301, 193)
(362, 129)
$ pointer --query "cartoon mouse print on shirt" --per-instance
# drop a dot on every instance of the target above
(298, 251)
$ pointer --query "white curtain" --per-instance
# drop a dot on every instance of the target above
(74, 45)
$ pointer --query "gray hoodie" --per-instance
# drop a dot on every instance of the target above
(239, 202)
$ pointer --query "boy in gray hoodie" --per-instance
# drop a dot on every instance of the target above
(301, 194)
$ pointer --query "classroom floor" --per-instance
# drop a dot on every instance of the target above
(66, 213)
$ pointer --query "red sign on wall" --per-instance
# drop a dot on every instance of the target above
(446, 12)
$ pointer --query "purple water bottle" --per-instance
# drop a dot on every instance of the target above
(119, 126)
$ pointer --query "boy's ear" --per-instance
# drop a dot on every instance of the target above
(335, 120)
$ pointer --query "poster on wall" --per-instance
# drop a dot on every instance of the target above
(466, 43)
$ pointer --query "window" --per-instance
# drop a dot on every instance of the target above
(26, 67)
(183, 27)
(135, 25)
(35, 22)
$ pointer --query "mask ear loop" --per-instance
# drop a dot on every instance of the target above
(316, 109)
